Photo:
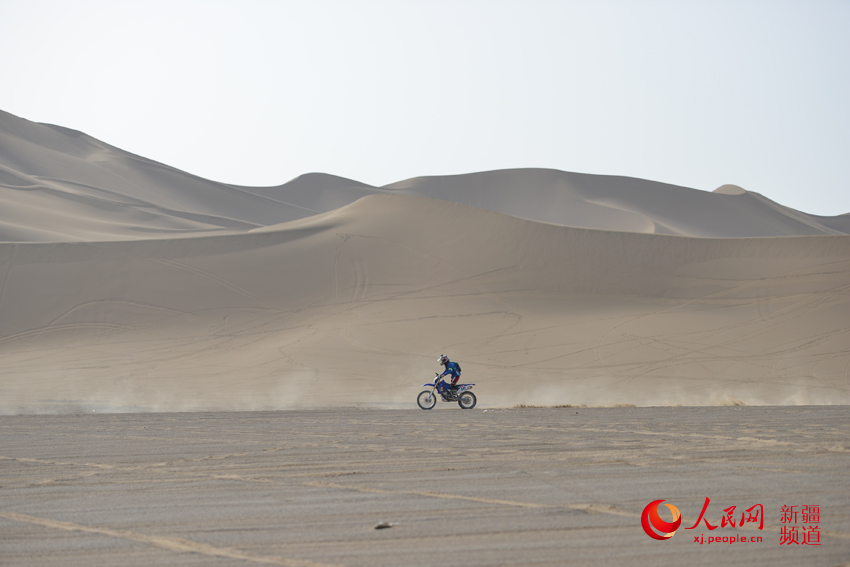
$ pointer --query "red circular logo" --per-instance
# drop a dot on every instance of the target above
(650, 519)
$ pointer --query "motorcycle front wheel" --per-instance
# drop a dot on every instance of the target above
(467, 400)
(426, 399)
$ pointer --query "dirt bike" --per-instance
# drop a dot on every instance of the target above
(427, 399)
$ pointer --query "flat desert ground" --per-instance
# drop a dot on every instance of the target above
(553, 486)
(197, 371)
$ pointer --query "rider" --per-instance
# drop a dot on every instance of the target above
(452, 368)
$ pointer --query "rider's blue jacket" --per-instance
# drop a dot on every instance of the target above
(451, 368)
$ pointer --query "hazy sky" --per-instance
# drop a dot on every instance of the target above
(696, 93)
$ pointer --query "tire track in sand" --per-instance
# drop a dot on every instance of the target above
(592, 508)
(176, 544)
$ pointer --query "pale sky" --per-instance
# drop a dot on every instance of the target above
(696, 93)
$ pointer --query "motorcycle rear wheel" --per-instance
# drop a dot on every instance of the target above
(467, 400)
(426, 399)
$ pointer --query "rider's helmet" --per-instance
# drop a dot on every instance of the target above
(443, 359)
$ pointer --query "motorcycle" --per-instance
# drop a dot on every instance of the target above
(427, 399)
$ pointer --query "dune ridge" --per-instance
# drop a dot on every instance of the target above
(58, 184)
(623, 204)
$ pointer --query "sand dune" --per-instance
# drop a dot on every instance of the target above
(128, 284)
(351, 306)
(62, 185)
(623, 204)
(59, 184)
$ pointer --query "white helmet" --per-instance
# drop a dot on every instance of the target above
(443, 359)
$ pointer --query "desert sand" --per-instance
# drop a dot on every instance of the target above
(130, 289)
(496, 487)
(130, 285)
